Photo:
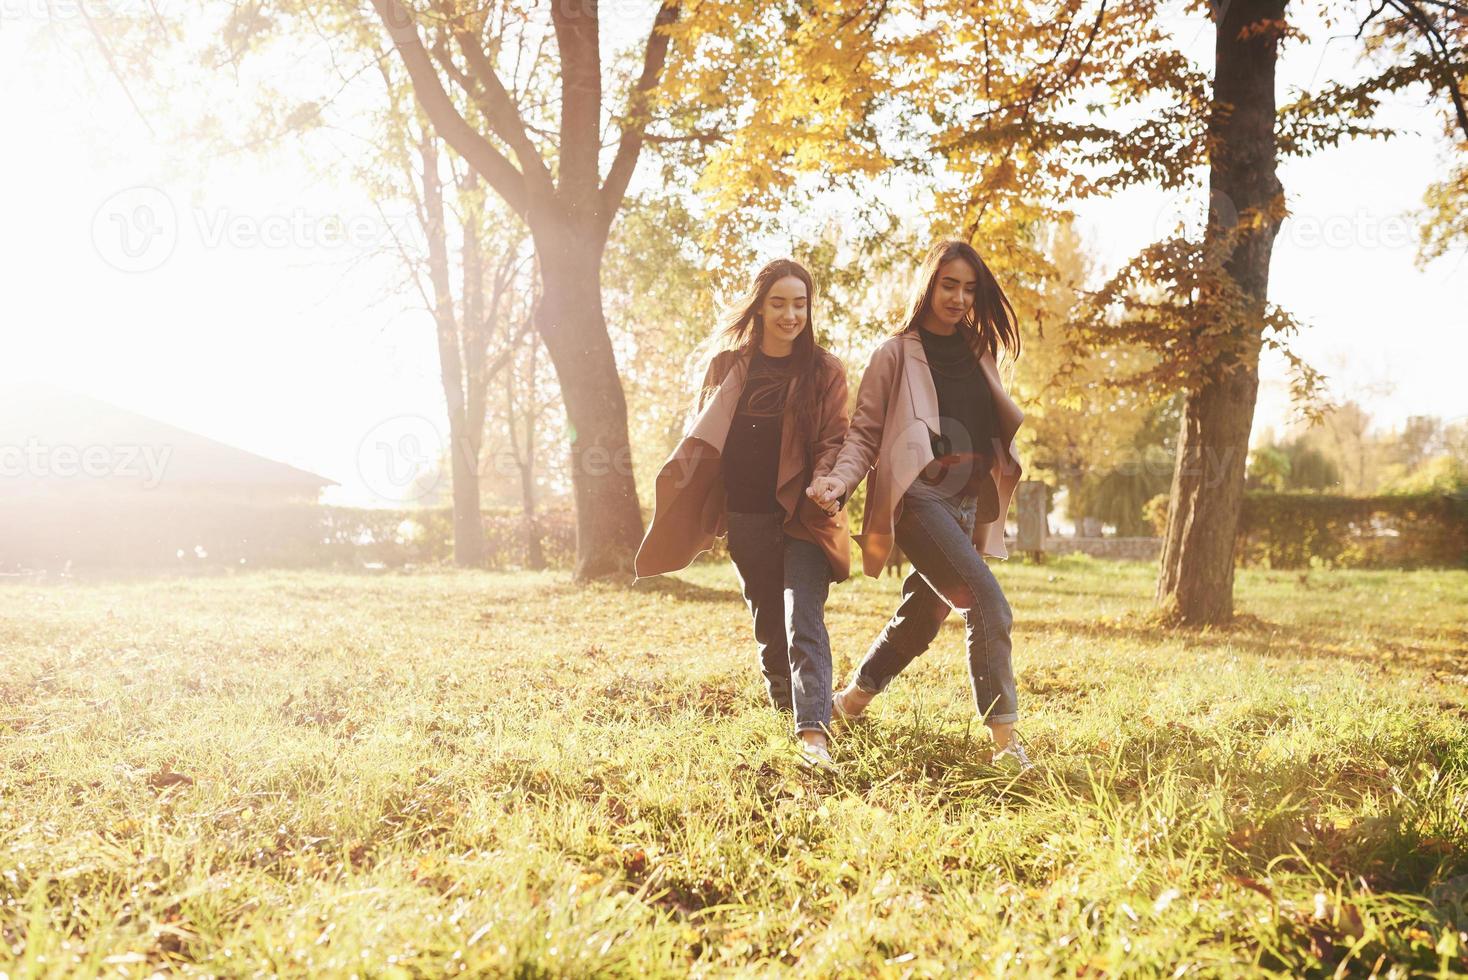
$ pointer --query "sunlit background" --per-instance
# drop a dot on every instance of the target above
(254, 297)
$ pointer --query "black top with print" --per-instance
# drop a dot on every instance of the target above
(751, 459)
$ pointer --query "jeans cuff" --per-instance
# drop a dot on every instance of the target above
(868, 686)
(812, 726)
(1008, 718)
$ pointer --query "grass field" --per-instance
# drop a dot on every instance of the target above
(416, 774)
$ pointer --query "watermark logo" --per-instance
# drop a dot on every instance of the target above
(398, 458)
(140, 228)
(1186, 215)
(136, 230)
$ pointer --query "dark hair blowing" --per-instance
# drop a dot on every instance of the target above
(744, 330)
(989, 323)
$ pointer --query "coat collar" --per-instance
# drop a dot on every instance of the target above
(712, 424)
(712, 427)
(924, 395)
(918, 381)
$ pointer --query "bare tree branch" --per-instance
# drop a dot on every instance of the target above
(578, 33)
(634, 126)
(508, 182)
(1442, 57)
(112, 67)
(499, 108)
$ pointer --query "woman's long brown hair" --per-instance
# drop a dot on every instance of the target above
(989, 323)
(744, 329)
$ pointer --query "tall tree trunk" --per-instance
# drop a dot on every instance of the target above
(469, 544)
(569, 216)
(525, 457)
(464, 434)
(470, 548)
(1197, 574)
(573, 327)
(534, 549)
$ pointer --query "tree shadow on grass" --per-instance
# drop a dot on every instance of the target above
(948, 765)
(1253, 635)
(656, 700)
(684, 591)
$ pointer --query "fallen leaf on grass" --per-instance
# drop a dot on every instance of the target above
(1344, 917)
(634, 859)
(1252, 885)
(166, 777)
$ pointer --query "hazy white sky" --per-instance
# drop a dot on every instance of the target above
(238, 306)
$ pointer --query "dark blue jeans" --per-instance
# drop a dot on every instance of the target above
(785, 582)
(947, 573)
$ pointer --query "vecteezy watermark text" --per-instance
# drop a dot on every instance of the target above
(139, 228)
(49, 461)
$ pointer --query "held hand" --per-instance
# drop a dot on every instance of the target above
(825, 490)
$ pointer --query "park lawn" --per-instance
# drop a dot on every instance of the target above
(319, 773)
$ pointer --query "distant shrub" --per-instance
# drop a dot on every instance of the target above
(1296, 530)
(1154, 512)
(1440, 474)
(155, 531)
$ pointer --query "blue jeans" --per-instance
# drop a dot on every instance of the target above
(947, 573)
(785, 582)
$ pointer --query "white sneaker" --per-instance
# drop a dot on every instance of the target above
(840, 711)
(817, 756)
(1013, 758)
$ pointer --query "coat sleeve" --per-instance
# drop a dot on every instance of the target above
(864, 435)
(834, 423)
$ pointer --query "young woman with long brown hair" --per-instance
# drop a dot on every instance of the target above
(933, 436)
(770, 413)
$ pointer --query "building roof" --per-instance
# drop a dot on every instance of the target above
(54, 439)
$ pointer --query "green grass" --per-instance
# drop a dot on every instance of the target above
(417, 774)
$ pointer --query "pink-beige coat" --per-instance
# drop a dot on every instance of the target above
(689, 511)
(888, 444)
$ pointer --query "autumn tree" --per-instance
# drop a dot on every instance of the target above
(526, 423)
(519, 90)
(1425, 43)
(1096, 441)
(550, 176)
(468, 267)
(465, 262)
(663, 304)
(1230, 317)
(1014, 113)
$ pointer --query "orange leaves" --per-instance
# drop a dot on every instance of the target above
(1267, 28)
(819, 94)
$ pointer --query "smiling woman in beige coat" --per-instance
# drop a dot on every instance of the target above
(933, 436)
(775, 415)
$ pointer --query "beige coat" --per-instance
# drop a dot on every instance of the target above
(888, 444)
(689, 509)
